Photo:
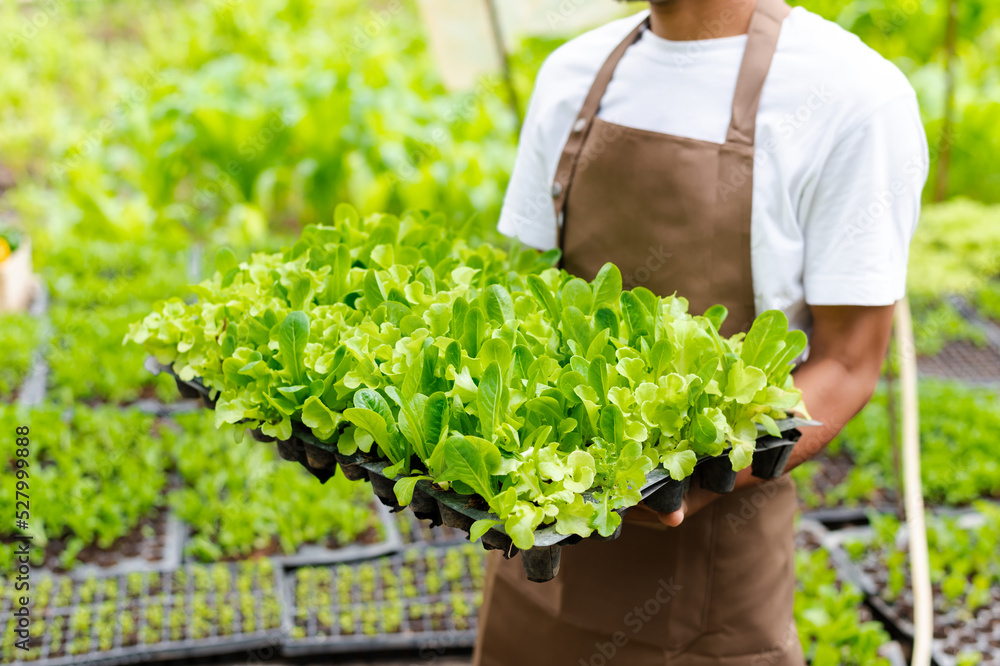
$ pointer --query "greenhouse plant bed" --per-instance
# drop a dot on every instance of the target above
(138, 552)
(821, 610)
(422, 597)
(313, 554)
(191, 612)
(957, 631)
(850, 506)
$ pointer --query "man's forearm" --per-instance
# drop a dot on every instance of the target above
(833, 393)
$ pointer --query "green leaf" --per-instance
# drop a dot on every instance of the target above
(320, 418)
(607, 286)
(635, 314)
(717, 314)
(346, 214)
(606, 521)
(472, 461)
(580, 473)
(374, 291)
(405, 486)
(475, 331)
(499, 306)
(292, 339)
(680, 464)
(741, 456)
(765, 339)
(605, 318)
(490, 400)
(521, 523)
(435, 419)
(411, 423)
(225, 260)
(576, 293)
(542, 292)
(481, 527)
(576, 327)
(744, 382)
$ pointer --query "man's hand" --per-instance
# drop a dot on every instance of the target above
(846, 351)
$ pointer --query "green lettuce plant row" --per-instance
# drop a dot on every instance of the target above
(489, 373)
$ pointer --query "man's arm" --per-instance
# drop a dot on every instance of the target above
(846, 352)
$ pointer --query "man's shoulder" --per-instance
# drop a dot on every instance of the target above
(819, 52)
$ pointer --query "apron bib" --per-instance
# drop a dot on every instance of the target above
(673, 214)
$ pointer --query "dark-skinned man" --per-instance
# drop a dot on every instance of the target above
(735, 152)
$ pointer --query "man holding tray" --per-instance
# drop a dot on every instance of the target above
(735, 152)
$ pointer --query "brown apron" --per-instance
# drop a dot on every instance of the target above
(674, 214)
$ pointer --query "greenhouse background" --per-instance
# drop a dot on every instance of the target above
(138, 139)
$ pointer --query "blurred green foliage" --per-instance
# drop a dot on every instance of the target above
(911, 33)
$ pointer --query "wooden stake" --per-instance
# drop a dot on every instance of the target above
(947, 127)
(501, 47)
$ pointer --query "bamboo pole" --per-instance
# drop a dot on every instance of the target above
(923, 611)
(501, 47)
(893, 408)
(947, 126)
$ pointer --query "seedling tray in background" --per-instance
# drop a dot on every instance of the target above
(309, 554)
(951, 635)
(195, 599)
(422, 597)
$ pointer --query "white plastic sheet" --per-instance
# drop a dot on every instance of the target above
(463, 41)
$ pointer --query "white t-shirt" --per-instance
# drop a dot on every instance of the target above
(841, 156)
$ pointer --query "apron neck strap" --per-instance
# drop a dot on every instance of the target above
(762, 41)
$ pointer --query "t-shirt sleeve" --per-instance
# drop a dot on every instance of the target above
(860, 217)
(528, 213)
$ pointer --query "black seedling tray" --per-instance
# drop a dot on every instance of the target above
(460, 511)
(422, 597)
(140, 611)
(987, 639)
